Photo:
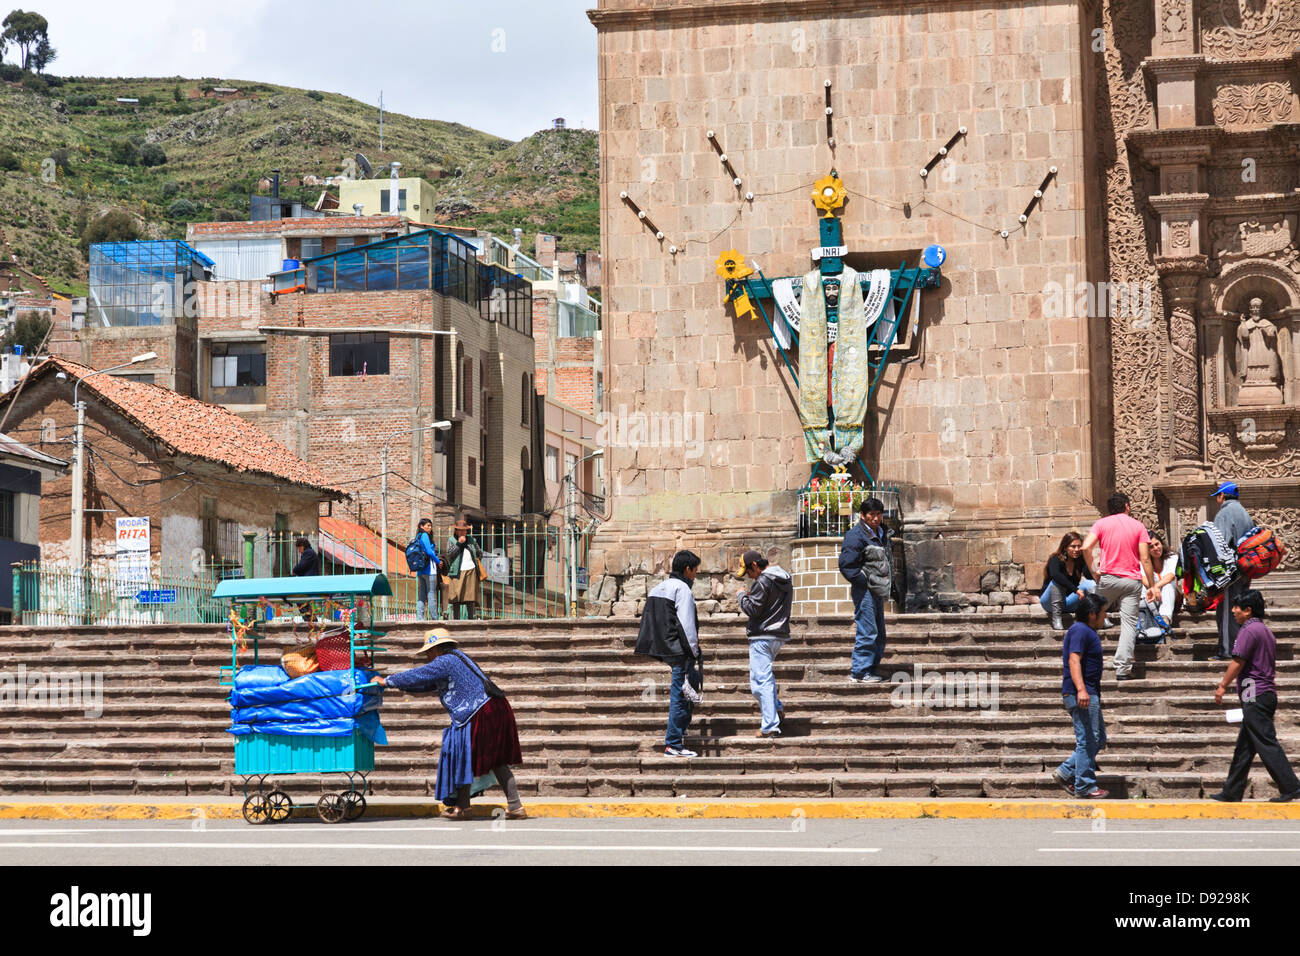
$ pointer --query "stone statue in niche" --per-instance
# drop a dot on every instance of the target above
(1257, 358)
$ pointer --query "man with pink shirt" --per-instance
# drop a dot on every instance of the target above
(1125, 571)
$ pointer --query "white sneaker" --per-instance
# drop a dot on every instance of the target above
(857, 680)
(679, 752)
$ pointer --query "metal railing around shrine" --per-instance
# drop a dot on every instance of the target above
(829, 511)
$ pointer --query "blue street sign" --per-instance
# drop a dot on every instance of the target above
(166, 596)
(934, 255)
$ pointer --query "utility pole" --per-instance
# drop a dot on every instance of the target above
(383, 487)
(571, 530)
(78, 549)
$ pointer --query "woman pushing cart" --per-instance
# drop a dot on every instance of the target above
(482, 737)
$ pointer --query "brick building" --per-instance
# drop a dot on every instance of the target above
(201, 474)
(362, 351)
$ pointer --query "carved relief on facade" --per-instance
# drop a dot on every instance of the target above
(1262, 237)
(1284, 522)
(1255, 104)
(1237, 180)
(1136, 348)
(1173, 17)
(1249, 29)
(1180, 236)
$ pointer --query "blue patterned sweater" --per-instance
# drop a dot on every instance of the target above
(456, 683)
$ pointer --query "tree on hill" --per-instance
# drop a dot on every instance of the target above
(29, 331)
(29, 32)
(116, 225)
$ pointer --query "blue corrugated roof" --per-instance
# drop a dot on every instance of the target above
(149, 250)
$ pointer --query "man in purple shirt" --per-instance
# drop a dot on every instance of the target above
(1252, 667)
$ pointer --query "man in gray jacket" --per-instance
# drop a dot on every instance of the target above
(866, 562)
(767, 605)
(670, 633)
(1234, 524)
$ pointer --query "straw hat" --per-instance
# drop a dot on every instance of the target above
(438, 637)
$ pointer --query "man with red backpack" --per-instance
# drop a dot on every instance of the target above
(1234, 524)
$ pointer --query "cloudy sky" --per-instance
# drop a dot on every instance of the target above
(503, 66)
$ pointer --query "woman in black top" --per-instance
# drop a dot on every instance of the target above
(1066, 580)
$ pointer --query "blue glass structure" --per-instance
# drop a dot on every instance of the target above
(142, 283)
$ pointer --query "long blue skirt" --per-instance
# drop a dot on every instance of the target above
(455, 761)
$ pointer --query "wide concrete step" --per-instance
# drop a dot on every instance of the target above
(1009, 785)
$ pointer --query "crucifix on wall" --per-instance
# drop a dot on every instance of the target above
(844, 323)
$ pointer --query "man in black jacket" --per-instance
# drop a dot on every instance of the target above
(669, 626)
(308, 565)
(767, 605)
(866, 558)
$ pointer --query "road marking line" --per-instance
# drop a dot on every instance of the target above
(1168, 849)
(566, 848)
(1117, 831)
(182, 827)
(525, 828)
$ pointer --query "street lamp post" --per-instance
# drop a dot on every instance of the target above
(571, 523)
(383, 493)
(79, 463)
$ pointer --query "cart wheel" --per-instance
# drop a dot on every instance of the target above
(279, 806)
(256, 809)
(356, 804)
(331, 807)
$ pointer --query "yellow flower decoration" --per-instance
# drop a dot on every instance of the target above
(828, 194)
(731, 265)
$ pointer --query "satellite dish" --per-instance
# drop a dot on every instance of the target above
(364, 165)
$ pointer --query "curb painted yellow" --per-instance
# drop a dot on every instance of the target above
(711, 810)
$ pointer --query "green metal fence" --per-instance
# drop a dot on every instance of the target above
(526, 576)
(52, 595)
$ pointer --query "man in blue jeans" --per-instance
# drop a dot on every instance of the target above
(767, 605)
(1081, 662)
(669, 627)
(866, 562)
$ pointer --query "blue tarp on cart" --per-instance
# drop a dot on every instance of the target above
(266, 700)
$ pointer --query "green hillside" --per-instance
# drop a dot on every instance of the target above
(72, 152)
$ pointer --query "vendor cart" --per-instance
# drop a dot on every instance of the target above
(341, 601)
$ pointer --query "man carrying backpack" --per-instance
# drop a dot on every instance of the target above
(1234, 524)
(422, 558)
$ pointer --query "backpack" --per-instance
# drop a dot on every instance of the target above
(1152, 627)
(1207, 558)
(416, 559)
(1257, 553)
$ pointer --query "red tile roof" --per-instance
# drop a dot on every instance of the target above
(195, 429)
(308, 225)
(364, 542)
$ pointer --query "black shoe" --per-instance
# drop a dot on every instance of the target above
(1128, 676)
(1285, 797)
(1224, 798)
(1220, 657)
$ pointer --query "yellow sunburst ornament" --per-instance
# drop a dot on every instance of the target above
(732, 267)
(828, 194)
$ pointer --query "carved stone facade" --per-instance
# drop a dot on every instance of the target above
(1173, 126)
(1209, 107)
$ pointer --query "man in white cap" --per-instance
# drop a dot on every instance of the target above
(1234, 524)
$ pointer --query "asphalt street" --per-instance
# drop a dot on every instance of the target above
(798, 842)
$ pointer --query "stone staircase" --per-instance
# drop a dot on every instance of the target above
(591, 714)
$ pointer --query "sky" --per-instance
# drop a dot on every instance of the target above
(506, 67)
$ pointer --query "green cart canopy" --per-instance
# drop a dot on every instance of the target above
(317, 586)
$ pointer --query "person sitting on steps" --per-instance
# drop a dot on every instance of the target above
(1066, 579)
